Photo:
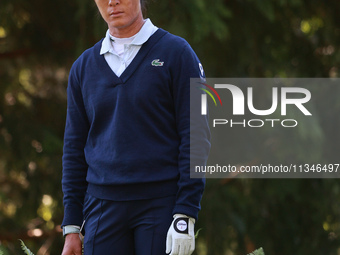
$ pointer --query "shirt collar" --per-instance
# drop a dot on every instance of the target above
(141, 37)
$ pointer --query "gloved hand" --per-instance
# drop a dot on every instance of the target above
(180, 239)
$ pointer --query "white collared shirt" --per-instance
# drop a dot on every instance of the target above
(119, 52)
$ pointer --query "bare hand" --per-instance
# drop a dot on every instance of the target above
(72, 245)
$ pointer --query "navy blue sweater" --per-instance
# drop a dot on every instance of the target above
(128, 137)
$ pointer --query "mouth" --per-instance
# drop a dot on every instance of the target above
(115, 13)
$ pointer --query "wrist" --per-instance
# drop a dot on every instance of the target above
(179, 215)
(70, 229)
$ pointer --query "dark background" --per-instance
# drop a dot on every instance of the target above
(39, 40)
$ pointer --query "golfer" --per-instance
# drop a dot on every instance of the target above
(126, 162)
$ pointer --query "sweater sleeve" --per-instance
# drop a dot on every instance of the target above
(74, 183)
(190, 190)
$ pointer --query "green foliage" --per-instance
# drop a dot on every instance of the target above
(257, 252)
(25, 249)
(3, 250)
(197, 233)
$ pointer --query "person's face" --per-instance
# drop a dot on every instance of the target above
(120, 14)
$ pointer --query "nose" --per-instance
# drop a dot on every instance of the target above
(113, 2)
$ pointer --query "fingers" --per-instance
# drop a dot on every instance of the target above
(191, 248)
(68, 251)
(168, 243)
(182, 250)
(175, 248)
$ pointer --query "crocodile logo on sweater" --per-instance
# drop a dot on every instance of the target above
(156, 62)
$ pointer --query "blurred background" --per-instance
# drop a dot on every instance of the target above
(39, 41)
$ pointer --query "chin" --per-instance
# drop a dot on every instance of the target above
(117, 24)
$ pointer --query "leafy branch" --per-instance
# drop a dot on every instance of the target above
(257, 252)
(24, 248)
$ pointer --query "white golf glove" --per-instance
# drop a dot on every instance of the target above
(180, 239)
